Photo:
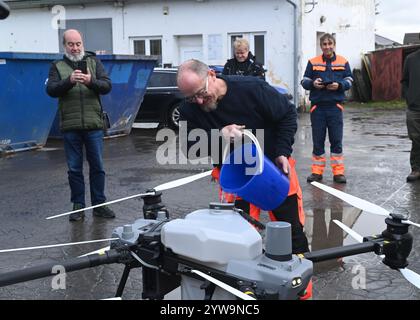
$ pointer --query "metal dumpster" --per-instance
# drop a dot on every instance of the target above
(129, 76)
(28, 116)
(26, 111)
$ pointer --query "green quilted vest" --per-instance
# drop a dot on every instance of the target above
(80, 108)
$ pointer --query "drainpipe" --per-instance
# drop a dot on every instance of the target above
(295, 53)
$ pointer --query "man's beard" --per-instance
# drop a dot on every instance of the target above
(75, 58)
(208, 107)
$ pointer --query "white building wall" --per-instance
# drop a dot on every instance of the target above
(210, 22)
(352, 22)
(217, 18)
(34, 30)
(31, 30)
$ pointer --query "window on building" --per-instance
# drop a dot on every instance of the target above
(148, 46)
(259, 48)
(139, 47)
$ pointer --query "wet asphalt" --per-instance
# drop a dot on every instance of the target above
(33, 186)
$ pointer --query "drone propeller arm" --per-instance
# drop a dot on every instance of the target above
(45, 270)
(338, 252)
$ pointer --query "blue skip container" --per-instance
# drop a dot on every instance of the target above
(259, 182)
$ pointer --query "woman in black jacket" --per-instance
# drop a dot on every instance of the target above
(243, 64)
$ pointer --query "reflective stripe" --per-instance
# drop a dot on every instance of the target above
(337, 169)
(319, 163)
(337, 155)
(337, 163)
(339, 60)
(320, 158)
(319, 64)
(317, 170)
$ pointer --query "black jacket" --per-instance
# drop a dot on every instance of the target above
(411, 81)
(250, 67)
(251, 102)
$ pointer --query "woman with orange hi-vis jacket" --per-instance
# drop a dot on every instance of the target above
(327, 77)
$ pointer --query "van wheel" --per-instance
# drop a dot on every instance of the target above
(173, 116)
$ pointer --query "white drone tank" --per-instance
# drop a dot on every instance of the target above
(214, 236)
(211, 237)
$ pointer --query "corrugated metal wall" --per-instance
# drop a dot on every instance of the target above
(386, 70)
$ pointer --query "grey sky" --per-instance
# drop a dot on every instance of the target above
(398, 17)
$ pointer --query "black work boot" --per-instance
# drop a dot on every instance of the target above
(340, 178)
(413, 176)
(103, 212)
(77, 215)
(314, 177)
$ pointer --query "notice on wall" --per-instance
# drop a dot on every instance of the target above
(215, 47)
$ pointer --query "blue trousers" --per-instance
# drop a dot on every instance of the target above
(327, 118)
(73, 146)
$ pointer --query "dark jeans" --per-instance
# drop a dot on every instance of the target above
(323, 118)
(73, 146)
(413, 127)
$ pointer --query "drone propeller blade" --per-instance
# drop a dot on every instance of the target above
(224, 286)
(411, 276)
(165, 186)
(56, 245)
(101, 205)
(182, 181)
(352, 200)
(99, 251)
(411, 223)
(351, 232)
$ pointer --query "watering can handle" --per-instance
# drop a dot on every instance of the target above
(257, 145)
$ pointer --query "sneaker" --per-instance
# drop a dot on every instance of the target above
(77, 215)
(340, 178)
(314, 177)
(103, 212)
(413, 176)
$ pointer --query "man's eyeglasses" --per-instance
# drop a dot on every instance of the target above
(200, 93)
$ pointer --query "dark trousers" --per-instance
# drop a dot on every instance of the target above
(73, 146)
(413, 128)
(327, 118)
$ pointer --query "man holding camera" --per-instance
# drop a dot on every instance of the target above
(77, 81)
(327, 76)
